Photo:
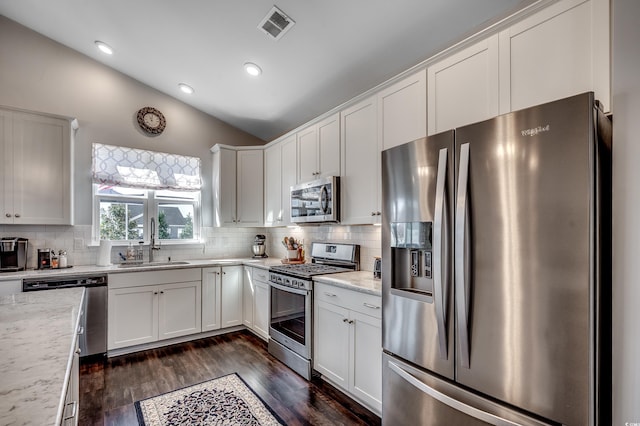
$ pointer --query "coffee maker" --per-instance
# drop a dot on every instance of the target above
(259, 246)
(13, 254)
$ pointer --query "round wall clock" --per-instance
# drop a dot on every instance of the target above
(151, 120)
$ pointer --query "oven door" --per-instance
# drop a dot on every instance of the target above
(290, 322)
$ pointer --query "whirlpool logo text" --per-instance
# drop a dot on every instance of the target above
(535, 130)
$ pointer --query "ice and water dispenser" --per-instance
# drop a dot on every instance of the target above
(412, 258)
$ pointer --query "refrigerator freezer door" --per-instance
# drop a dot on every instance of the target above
(524, 259)
(417, 278)
(415, 397)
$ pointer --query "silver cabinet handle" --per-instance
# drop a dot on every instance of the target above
(345, 320)
(447, 400)
(8, 214)
(155, 292)
(74, 404)
(78, 351)
(329, 294)
(369, 305)
(440, 279)
(461, 258)
(17, 215)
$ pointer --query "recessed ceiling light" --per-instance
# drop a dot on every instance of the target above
(252, 69)
(104, 47)
(186, 88)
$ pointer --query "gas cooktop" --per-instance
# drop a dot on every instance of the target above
(307, 270)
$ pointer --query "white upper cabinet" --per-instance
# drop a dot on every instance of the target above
(250, 188)
(560, 51)
(238, 177)
(402, 111)
(319, 149)
(273, 194)
(289, 174)
(280, 161)
(360, 177)
(36, 185)
(463, 88)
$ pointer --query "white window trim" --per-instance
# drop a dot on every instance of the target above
(150, 206)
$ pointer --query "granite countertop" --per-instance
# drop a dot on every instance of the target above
(115, 268)
(37, 344)
(361, 281)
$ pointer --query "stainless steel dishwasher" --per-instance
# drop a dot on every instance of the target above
(93, 341)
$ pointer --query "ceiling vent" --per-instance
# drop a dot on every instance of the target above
(276, 23)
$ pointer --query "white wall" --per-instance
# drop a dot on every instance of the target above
(39, 74)
(626, 212)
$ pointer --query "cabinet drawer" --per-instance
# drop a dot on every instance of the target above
(354, 300)
(135, 279)
(260, 274)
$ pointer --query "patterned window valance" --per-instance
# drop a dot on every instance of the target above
(137, 168)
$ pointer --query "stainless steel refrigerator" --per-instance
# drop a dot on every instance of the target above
(496, 271)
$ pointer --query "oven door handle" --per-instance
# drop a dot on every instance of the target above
(289, 289)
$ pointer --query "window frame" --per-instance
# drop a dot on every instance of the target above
(151, 206)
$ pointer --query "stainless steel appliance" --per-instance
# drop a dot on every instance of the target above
(290, 325)
(316, 201)
(259, 246)
(93, 341)
(13, 254)
(44, 258)
(496, 271)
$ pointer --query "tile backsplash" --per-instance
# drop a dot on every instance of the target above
(217, 242)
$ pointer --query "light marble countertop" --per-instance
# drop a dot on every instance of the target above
(115, 268)
(37, 344)
(361, 281)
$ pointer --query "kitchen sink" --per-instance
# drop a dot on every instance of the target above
(152, 264)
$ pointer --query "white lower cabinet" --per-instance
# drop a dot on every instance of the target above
(145, 307)
(348, 342)
(222, 302)
(256, 295)
(71, 408)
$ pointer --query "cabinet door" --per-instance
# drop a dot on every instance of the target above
(211, 298)
(6, 173)
(261, 311)
(331, 342)
(133, 316)
(224, 187)
(366, 380)
(179, 309)
(248, 295)
(307, 154)
(231, 296)
(329, 146)
(289, 175)
(562, 50)
(273, 194)
(42, 170)
(402, 111)
(250, 207)
(360, 177)
(463, 88)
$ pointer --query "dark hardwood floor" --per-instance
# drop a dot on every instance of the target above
(109, 388)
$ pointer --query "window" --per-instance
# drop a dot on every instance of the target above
(132, 186)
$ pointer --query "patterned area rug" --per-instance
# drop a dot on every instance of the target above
(227, 400)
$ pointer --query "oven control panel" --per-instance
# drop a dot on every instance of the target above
(289, 281)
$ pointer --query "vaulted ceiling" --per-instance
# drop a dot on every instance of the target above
(335, 50)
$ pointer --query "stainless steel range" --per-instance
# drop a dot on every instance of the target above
(290, 325)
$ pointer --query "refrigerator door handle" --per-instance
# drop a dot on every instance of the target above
(461, 258)
(440, 280)
(449, 401)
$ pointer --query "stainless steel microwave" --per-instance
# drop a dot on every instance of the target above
(316, 201)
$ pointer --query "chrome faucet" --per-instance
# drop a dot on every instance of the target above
(152, 243)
